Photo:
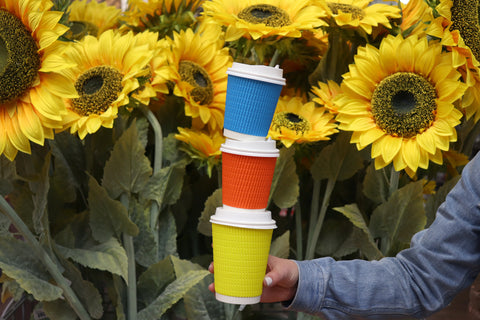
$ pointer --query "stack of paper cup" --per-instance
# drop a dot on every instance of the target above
(252, 96)
(242, 229)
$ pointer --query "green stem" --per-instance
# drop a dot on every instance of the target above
(131, 277)
(318, 225)
(298, 227)
(46, 260)
(314, 208)
(255, 56)
(157, 131)
(157, 165)
(394, 179)
(276, 56)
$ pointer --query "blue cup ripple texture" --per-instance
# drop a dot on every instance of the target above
(250, 105)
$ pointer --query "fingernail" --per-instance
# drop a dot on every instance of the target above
(268, 281)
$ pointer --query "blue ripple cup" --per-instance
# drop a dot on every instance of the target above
(252, 96)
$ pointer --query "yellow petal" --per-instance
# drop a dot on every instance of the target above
(30, 123)
(369, 137)
(427, 142)
(16, 137)
(411, 153)
(46, 104)
(3, 132)
(93, 124)
(390, 147)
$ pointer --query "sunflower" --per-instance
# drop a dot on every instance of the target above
(325, 94)
(457, 26)
(202, 146)
(297, 121)
(264, 18)
(103, 78)
(91, 18)
(201, 63)
(359, 14)
(400, 100)
(30, 91)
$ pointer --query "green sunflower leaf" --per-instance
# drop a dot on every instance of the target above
(214, 201)
(85, 290)
(359, 240)
(154, 280)
(363, 240)
(199, 302)
(280, 247)
(117, 291)
(335, 232)
(21, 199)
(58, 310)
(398, 219)
(166, 185)
(128, 169)
(18, 262)
(375, 185)
(108, 256)
(285, 184)
(69, 160)
(172, 294)
(167, 240)
(338, 161)
(40, 188)
(108, 217)
(7, 175)
(144, 243)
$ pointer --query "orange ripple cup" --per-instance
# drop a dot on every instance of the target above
(241, 244)
(247, 172)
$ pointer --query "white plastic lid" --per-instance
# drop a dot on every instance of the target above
(245, 218)
(265, 148)
(257, 72)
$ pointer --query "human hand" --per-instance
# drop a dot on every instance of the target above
(280, 282)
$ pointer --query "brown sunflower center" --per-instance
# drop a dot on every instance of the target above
(19, 58)
(465, 20)
(267, 14)
(403, 104)
(292, 121)
(196, 76)
(356, 12)
(98, 87)
(80, 29)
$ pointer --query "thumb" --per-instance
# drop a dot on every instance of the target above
(273, 276)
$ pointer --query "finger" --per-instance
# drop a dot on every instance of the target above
(210, 267)
(211, 287)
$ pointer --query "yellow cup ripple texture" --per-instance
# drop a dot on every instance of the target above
(240, 259)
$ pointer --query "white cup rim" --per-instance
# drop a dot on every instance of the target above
(261, 148)
(249, 219)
